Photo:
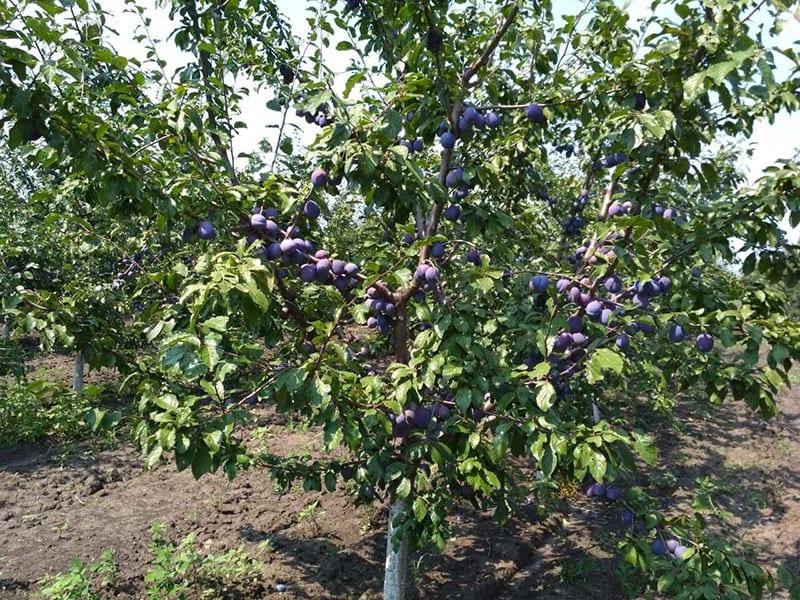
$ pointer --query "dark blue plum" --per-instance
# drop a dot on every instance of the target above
(539, 283)
(319, 178)
(535, 114)
(676, 333)
(704, 342)
(273, 251)
(594, 308)
(308, 272)
(452, 212)
(470, 114)
(272, 229)
(659, 548)
(613, 284)
(575, 323)
(258, 221)
(311, 209)
(562, 342)
(454, 177)
(337, 266)
(448, 140)
(206, 231)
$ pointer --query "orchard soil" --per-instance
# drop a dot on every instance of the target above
(56, 506)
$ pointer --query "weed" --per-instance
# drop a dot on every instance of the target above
(184, 570)
(577, 568)
(84, 582)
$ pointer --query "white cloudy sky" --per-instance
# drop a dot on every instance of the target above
(770, 141)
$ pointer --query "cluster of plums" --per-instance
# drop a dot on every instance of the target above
(671, 546)
(287, 245)
(667, 213)
(382, 311)
(574, 225)
(415, 417)
(603, 491)
(602, 310)
(416, 145)
(426, 276)
(615, 208)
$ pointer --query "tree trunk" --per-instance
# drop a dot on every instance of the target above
(77, 377)
(396, 579)
(5, 329)
(396, 576)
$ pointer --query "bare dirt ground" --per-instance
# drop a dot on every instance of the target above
(54, 508)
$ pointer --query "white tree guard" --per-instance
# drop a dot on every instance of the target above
(396, 575)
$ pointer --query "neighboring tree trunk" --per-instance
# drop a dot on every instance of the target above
(77, 378)
(396, 575)
(5, 329)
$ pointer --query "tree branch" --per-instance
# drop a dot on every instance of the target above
(479, 63)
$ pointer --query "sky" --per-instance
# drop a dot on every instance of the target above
(770, 141)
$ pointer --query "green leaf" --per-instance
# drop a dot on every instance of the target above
(219, 324)
(645, 447)
(419, 508)
(597, 466)
(257, 296)
(665, 582)
(404, 489)
(167, 401)
(393, 471)
(546, 396)
(603, 359)
(464, 399)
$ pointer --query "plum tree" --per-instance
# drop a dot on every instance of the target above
(476, 373)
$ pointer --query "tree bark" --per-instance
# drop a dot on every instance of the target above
(77, 376)
(396, 575)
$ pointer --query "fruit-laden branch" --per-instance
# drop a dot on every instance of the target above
(402, 296)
